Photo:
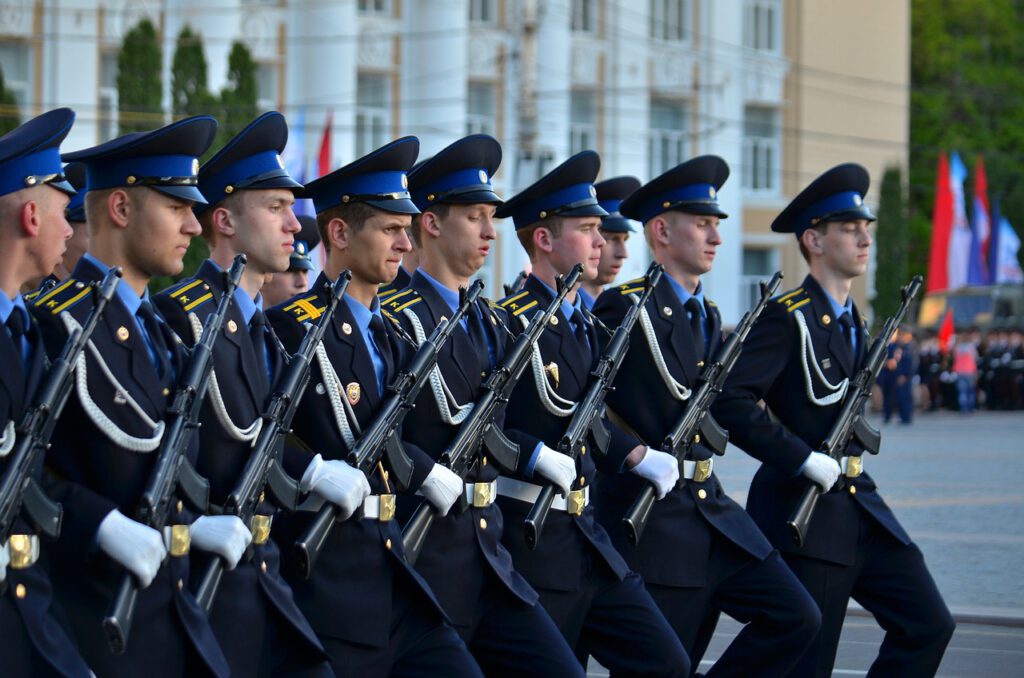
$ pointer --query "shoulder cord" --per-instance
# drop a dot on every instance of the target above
(838, 391)
(113, 432)
(442, 394)
(675, 389)
(340, 407)
(246, 435)
(547, 394)
(7, 439)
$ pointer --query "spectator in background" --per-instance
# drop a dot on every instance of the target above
(965, 369)
(928, 371)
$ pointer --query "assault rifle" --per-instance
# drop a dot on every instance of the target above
(516, 284)
(850, 424)
(587, 418)
(479, 427)
(381, 439)
(263, 469)
(696, 424)
(20, 494)
(173, 472)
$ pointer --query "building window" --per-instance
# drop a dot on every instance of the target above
(108, 95)
(373, 112)
(582, 122)
(761, 148)
(374, 6)
(482, 109)
(758, 264)
(267, 74)
(16, 61)
(483, 12)
(762, 25)
(670, 20)
(668, 145)
(584, 16)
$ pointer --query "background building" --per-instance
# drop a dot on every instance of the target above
(782, 89)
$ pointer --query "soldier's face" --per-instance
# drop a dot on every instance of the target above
(265, 227)
(374, 252)
(466, 236)
(691, 241)
(162, 227)
(845, 246)
(283, 286)
(613, 256)
(580, 241)
(54, 230)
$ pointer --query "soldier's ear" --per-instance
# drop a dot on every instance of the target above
(222, 223)
(119, 206)
(659, 229)
(429, 223)
(30, 219)
(338, 233)
(811, 240)
(543, 240)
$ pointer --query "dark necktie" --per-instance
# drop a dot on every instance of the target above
(155, 339)
(16, 326)
(380, 340)
(692, 307)
(579, 328)
(257, 332)
(478, 335)
(846, 326)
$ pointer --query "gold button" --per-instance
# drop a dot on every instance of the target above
(263, 496)
(483, 523)
(387, 544)
(483, 461)
(583, 481)
(583, 450)
(181, 584)
(853, 489)
(483, 375)
(702, 493)
(263, 565)
(166, 391)
(696, 439)
(20, 591)
(180, 506)
(700, 364)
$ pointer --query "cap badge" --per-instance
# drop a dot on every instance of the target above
(593, 192)
(195, 165)
(353, 392)
(711, 192)
(405, 181)
(483, 177)
(857, 200)
(280, 162)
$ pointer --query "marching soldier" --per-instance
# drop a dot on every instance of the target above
(701, 554)
(491, 606)
(33, 234)
(600, 606)
(374, 614)
(799, 358)
(615, 230)
(141, 189)
(249, 211)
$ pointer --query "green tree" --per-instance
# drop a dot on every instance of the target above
(238, 98)
(139, 81)
(10, 116)
(190, 94)
(967, 91)
(892, 257)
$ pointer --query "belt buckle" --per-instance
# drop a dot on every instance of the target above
(854, 466)
(23, 555)
(181, 541)
(701, 470)
(260, 527)
(482, 495)
(575, 502)
(386, 507)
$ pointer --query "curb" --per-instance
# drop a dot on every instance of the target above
(985, 616)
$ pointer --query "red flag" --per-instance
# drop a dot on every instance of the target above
(325, 146)
(942, 226)
(946, 331)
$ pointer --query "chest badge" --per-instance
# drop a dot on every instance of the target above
(346, 328)
(353, 392)
(232, 326)
(667, 311)
(122, 333)
(827, 319)
(552, 369)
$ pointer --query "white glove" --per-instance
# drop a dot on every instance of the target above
(227, 536)
(138, 547)
(822, 469)
(441, 488)
(337, 482)
(556, 467)
(5, 560)
(660, 468)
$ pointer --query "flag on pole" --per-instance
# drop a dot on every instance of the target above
(942, 220)
(992, 252)
(960, 233)
(325, 146)
(294, 158)
(946, 331)
(977, 265)
(1007, 265)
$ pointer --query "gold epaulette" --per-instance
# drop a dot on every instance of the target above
(394, 321)
(793, 300)
(518, 303)
(63, 296)
(399, 301)
(632, 286)
(306, 308)
(386, 291)
(191, 293)
(711, 303)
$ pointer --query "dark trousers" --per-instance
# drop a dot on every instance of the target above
(891, 581)
(618, 623)
(421, 644)
(780, 618)
(511, 638)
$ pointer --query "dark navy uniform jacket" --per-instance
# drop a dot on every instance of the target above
(779, 366)
(401, 281)
(26, 621)
(93, 475)
(362, 566)
(675, 549)
(222, 456)
(557, 562)
(460, 547)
